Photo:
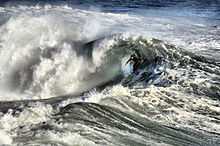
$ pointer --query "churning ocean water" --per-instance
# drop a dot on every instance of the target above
(64, 80)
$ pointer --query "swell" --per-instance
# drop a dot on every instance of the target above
(110, 126)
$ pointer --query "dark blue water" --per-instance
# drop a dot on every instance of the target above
(204, 5)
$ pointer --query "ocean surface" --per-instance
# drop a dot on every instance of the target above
(65, 80)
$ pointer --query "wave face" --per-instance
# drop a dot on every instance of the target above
(64, 79)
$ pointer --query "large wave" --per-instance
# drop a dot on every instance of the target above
(47, 55)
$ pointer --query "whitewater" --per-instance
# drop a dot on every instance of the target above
(64, 79)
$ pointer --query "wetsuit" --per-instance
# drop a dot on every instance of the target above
(137, 60)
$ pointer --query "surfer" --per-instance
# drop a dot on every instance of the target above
(136, 60)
